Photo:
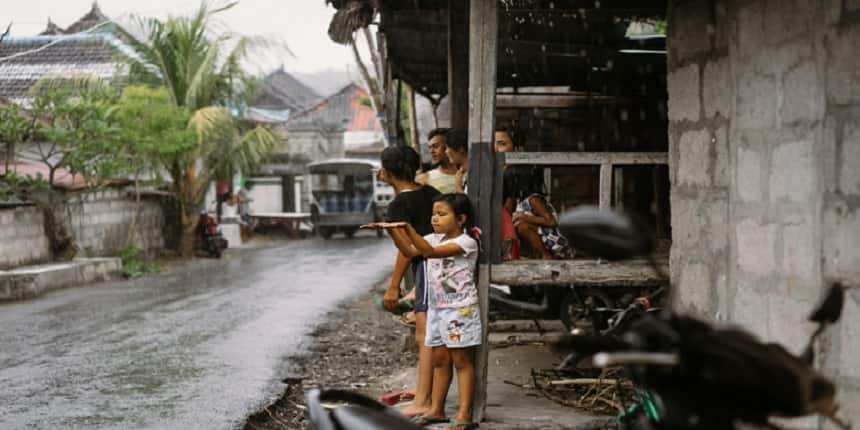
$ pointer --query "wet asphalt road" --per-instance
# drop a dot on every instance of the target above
(201, 349)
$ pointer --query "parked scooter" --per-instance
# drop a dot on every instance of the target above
(694, 375)
(209, 237)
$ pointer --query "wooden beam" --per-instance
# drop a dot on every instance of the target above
(586, 158)
(557, 101)
(458, 62)
(584, 273)
(485, 172)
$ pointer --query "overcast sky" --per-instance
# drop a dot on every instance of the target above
(302, 24)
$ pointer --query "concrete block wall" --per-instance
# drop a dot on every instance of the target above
(22, 238)
(100, 223)
(764, 108)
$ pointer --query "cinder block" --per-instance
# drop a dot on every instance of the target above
(722, 163)
(751, 37)
(793, 173)
(695, 290)
(839, 243)
(800, 253)
(694, 159)
(787, 324)
(750, 309)
(718, 225)
(756, 101)
(691, 29)
(683, 86)
(787, 19)
(717, 88)
(849, 172)
(756, 247)
(688, 223)
(849, 335)
(803, 94)
(749, 171)
(843, 67)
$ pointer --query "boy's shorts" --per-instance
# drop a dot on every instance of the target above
(453, 327)
(420, 281)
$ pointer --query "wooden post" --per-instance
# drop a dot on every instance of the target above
(605, 186)
(485, 171)
(413, 121)
(458, 63)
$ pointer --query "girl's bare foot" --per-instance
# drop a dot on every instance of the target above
(414, 410)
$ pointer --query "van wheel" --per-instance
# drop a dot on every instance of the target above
(326, 232)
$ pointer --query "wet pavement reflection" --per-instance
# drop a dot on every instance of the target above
(200, 349)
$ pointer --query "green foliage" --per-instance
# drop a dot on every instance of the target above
(14, 129)
(154, 132)
(75, 118)
(15, 187)
(133, 266)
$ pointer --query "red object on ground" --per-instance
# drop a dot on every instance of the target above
(395, 397)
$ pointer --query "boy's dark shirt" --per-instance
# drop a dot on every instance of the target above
(414, 207)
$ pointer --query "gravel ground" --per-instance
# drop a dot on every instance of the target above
(355, 348)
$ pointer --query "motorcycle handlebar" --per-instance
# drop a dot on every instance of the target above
(606, 359)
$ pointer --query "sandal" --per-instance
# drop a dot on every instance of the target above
(462, 425)
(403, 305)
(424, 420)
(407, 319)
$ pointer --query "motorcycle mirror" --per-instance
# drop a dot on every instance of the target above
(359, 412)
(362, 418)
(606, 234)
(830, 308)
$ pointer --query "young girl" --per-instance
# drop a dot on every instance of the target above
(453, 318)
(534, 218)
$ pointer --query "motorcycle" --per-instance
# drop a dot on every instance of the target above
(209, 238)
(691, 374)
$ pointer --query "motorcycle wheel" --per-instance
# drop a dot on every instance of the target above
(574, 314)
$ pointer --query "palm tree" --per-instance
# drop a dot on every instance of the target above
(201, 70)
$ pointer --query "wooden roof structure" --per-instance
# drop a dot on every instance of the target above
(577, 43)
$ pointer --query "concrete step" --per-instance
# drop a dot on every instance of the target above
(27, 282)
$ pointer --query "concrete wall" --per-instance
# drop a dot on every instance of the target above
(99, 222)
(764, 107)
(22, 238)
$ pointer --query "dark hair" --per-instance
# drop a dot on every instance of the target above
(400, 161)
(516, 136)
(439, 132)
(458, 140)
(522, 181)
(461, 205)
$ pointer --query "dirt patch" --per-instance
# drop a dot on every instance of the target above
(356, 348)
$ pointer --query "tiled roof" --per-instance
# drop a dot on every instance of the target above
(281, 91)
(342, 111)
(93, 18)
(23, 61)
